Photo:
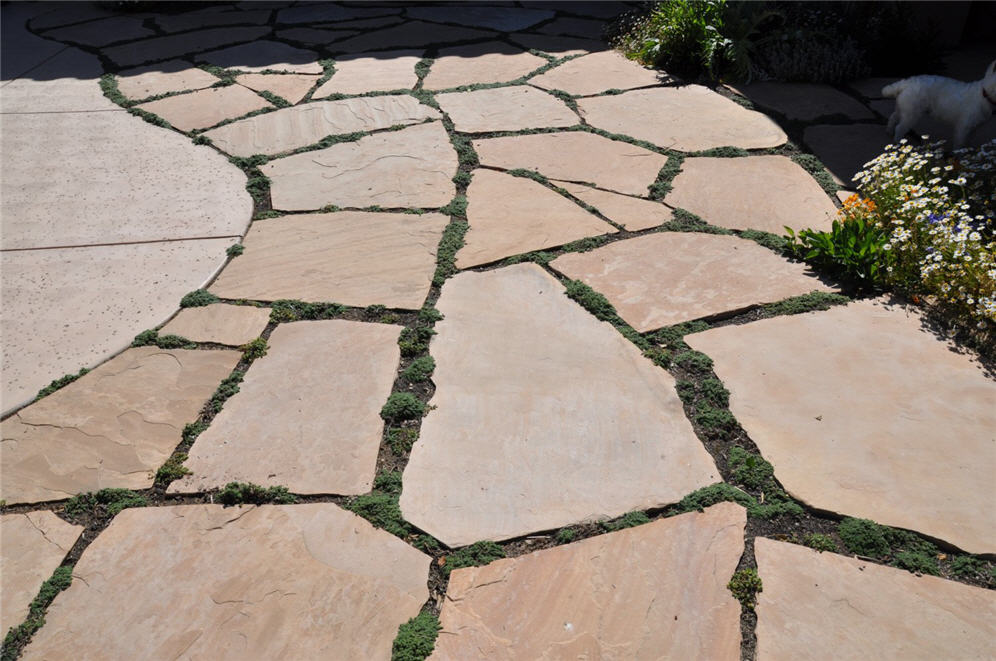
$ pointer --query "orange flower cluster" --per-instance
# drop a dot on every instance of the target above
(856, 203)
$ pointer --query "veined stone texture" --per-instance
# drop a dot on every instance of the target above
(576, 156)
(292, 87)
(291, 128)
(505, 19)
(803, 101)
(112, 427)
(204, 108)
(662, 279)
(410, 34)
(374, 72)
(322, 385)
(512, 215)
(233, 325)
(34, 545)
(303, 581)
(632, 213)
(412, 168)
(688, 118)
(165, 48)
(350, 257)
(156, 79)
(505, 109)
(490, 62)
(595, 73)
(813, 602)
(650, 592)
(864, 412)
(262, 55)
(753, 192)
(511, 341)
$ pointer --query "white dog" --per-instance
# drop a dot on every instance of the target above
(962, 105)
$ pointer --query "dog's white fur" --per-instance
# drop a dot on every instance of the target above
(961, 105)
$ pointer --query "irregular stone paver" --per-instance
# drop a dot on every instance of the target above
(112, 427)
(632, 213)
(803, 101)
(571, 452)
(366, 23)
(315, 36)
(595, 73)
(662, 279)
(34, 544)
(302, 581)
(870, 87)
(505, 109)
(844, 149)
(412, 167)
(558, 46)
(204, 108)
(585, 7)
(567, 156)
(292, 128)
(327, 12)
(67, 13)
(490, 62)
(204, 19)
(511, 215)
(575, 27)
(165, 48)
(754, 192)
(262, 55)
(857, 407)
(335, 423)
(65, 83)
(650, 592)
(22, 50)
(688, 118)
(813, 602)
(290, 87)
(156, 79)
(356, 74)
(233, 325)
(102, 32)
(350, 257)
(504, 19)
(409, 35)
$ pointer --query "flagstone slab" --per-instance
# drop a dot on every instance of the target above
(663, 279)
(504, 19)
(315, 36)
(754, 192)
(412, 167)
(585, 7)
(650, 592)
(102, 32)
(557, 46)
(632, 213)
(512, 215)
(689, 118)
(575, 27)
(174, 45)
(595, 73)
(576, 156)
(365, 23)
(813, 602)
(351, 257)
(871, 88)
(67, 82)
(163, 78)
(55, 14)
(410, 34)
(571, 452)
(34, 545)
(335, 422)
(864, 412)
(356, 74)
(844, 149)
(319, 12)
(304, 581)
(112, 427)
(204, 108)
(22, 50)
(490, 62)
(263, 55)
(292, 87)
(233, 325)
(804, 101)
(505, 109)
(209, 19)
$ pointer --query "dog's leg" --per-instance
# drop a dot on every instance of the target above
(960, 135)
(904, 125)
(893, 120)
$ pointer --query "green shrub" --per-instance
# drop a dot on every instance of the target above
(19, 636)
(745, 585)
(388, 482)
(693, 361)
(235, 250)
(173, 469)
(254, 349)
(854, 251)
(198, 298)
(686, 391)
(863, 537)
(419, 370)
(236, 493)
(820, 542)
(61, 382)
(715, 392)
(382, 510)
(402, 406)
(591, 300)
(750, 469)
(715, 493)
(416, 638)
(228, 387)
(106, 502)
(816, 300)
(414, 341)
(566, 535)
(401, 439)
(628, 520)
(451, 242)
(912, 561)
(285, 310)
(478, 553)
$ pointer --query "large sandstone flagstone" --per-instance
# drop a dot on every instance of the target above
(490, 62)
(688, 118)
(308, 581)
(412, 167)
(264, 55)
(163, 78)
(753, 192)
(864, 412)
(575, 27)
(651, 592)
(385, 71)
(291, 87)
(291, 128)
(316, 398)
(66, 83)
(505, 19)
(543, 417)
(576, 156)
(814, 602)
(596, 73)
(409, 34)
(102, 32)
(314, 36)
(318, 12)
(350, 257)
(557, 46)
(632, 213)
(844, 150)
(165, 48)
(505, 109)
(202, 19)
(34, 545)
(663, 279)
(512, 215)
(804, 101)
(204, 108)
(112, 427)
(233, 325)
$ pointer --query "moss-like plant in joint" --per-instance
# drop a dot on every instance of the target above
(816, 300)
(173, 469)
(414, 341)
(478, 553)
(381, 509)
(863, 537)
(106, 502)
(388, 482)
(228, 387)
(420, 369)
(750, 469)
(451, 242)
(237, 493)
(198, 298)
(19, 636)
(694, 361)
(401, 439)
(416, 638)
(235, 250)
(61, 382)
(820, 542)
(254, 349)
(591, 300)
(402, 406)
(456, 207)
(745, 585)
(566, 535)
(628, 520)
(770, 241)
(285, 310)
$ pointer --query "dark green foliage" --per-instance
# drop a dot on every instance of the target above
(724, 152)
(109, 86)
(235, 250)
(686, 391)
(585, 245)
(966, 566)
(745, 585)
(258, 187)
(263, 215)
(193, 430)
(766, 239)
(462, 178)
(426, 543)
(451, 242)
(750, 469)
(201, 139)
(381, 509)
(672, 336)
(426, 97)
(151, 337)
(388, 482)
(715, 422)
(715, 493)
(776, 503)
(416, 638)
(414, 341)
(254, 349)
(173, 469)
(285, 310)
(106, 502)
(420, 369)
(278, 101)
(422, 67)
(863, 537)
(456, 207)
(401, 439)
(198, 298)
(628, 520)
(693, 361)
(228, 387)
(402, 406)
(820, 542)
(816, 300)
(248, 162)
(61, 382)
(591, 300)
(429, 315)
(714, 391)
(566, 535)
(155, 120)
(662, 185)
(686, 221)
(815, 167)
(465, 151)
(236, 493)
(528, 174)
(660, 357)
(19, 636)
(478, 553)
(537, 257)
(913, 561)
(852, 251)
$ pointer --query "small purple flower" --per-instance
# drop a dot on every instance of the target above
(933, 218)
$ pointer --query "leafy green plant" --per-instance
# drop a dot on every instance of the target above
(816, 300)
(750, 469)
(235, 250)
(401, 439)
(381, 509)
(198, 298)
(591, 300)
(254, 349)
(694, 361)
(402, 406)
(416, 638)
(566, 535)
(863, 537)
(19, 636)
(913, 561)
(285, 310)
(451, 242)
(478, 553)
(820, 542)
(226, 389)
(173, 469)
(61, 382)
(745, 585)
(236, 493)
(853, 251)
(413, 341)
(388, 482)
(420, 369)
(628, 520)
(106, 502)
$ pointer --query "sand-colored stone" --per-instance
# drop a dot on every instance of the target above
(504, 19)
(102, 32)
(575, 27)
(233, 325)
(156, 79)
(68, 82)
(595, 73)
(490, 62)
(262, 55)
(291, 87)
(112, 427)
(512, 215)
(290, 128)
(511, 341)
(350, 257)
(688, 118)
(657, 591)
(803, 101)
(356, 74)
(366, 23)
(632, 213)
(412, 167)
(55, 14)
(557, 46)
(204, 108)
(576, 156)
(321, 386)
(844, 149)
(308, 581)
(866, 413)
(34, 544)
(204, 19)
(319, 12)
(662, 279)
(814, 602)
(174, 45)
(315, 36)
(754, 192)
(505, 109)
(408, 35)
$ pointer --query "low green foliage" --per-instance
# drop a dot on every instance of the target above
(811, 302)
(173, 469)
(586, 244)
(388, 482)
(815, 167)
(694, 361)
(715, 493)
(853, 251)
(686, 390)
(916, 562)
(416, 638)
(263, 215)
(235, 250)
(193, 430)
(662, 185)
(381, 509)
(61, 382)
(478, 553)
(258, 186)
(451, 242)
(402, 406)
(660, 357)
(278, 101)
(19, 636)
(238, 493)
(672, 335)
(776, 504)
(628, 520)
(106, 502)
(420, 369)
(820, 542)
(153, 338)
(228, 387)
(745, 585)
(109, 86)
(714, 391)
(465, 151)
(254, 349)
(285, 310)
(456, 207)
(714, 421)
(723, 152)
(863, 537)
(401, 439)
(528, 174)
(770, 241)
(462, 178)
(566, 535)
(750, 469)
(198, 298)
(414, 341)
(426, 543)
(591, 300)
(429, 315)
(966, 566)
(537, 257)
